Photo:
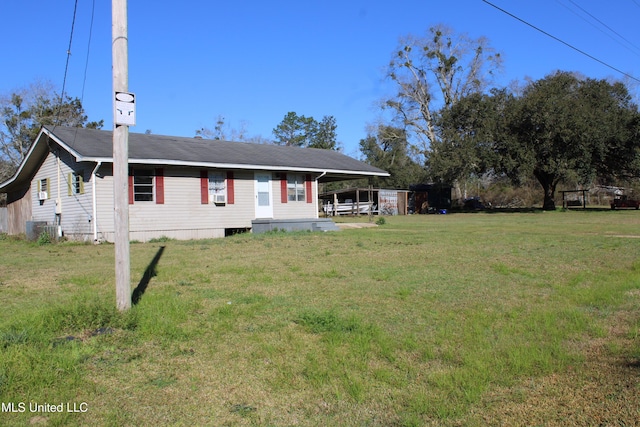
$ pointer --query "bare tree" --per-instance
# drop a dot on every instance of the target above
(25, 111)
(222, 131)
(435, 71)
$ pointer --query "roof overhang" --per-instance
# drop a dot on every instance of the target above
(325, 175)
(29, 165)
(42, 145)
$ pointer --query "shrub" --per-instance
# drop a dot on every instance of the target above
(44, 239)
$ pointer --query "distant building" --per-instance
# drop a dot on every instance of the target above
(426, 198)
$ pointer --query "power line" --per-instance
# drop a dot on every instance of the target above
(66, 67)
(604, 25)
(86, 64)
(562, 41)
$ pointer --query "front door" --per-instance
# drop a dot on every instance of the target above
(264, 199)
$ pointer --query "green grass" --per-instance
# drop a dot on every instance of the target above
(425, 320)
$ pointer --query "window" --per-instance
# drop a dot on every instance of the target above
(217, 188)
(295, 188)
(146, 185)
(75, 183)
(143, 185)
(44, 186)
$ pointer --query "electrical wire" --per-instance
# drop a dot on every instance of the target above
(66, 67)
(629, 43)
(86, 64)
(562, 41)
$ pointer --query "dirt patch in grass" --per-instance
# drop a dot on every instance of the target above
(349, 225)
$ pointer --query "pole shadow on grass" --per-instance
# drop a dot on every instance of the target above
(149, 273)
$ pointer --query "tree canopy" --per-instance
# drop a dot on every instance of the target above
(301, 131)
(465, 132)
(24, 112)
(559, 126)
(434, 72)
(563, 124)
(388, 149)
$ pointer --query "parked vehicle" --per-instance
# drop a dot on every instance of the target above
(624, 201)
(473, 204)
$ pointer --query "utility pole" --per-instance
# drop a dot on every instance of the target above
(120, 66)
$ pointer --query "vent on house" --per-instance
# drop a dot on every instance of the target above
(42, 195)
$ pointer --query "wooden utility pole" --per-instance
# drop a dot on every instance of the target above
(120, 66)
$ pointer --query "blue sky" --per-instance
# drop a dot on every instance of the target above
(254, 61)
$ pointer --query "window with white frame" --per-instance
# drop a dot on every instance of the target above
(143, 185)
(217, 188)
(295, 188)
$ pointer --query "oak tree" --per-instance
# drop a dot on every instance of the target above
(467, 132)
(556, 128)
(564, 125)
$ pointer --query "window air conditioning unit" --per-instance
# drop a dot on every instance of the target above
(219, 198)
(42, 195)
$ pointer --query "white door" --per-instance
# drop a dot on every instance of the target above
(264, 199)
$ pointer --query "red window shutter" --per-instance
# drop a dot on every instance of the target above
(130, 187)
(309, 189)
(230, 188)
(159, 186)
(204, 187)
(283, 188)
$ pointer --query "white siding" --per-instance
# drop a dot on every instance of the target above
(45, 210)
(183, 216)
(104, 203)
(294, 209)
(72, 212)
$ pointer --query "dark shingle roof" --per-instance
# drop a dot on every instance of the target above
(97, 145)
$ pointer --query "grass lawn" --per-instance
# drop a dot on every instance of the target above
(461, 319)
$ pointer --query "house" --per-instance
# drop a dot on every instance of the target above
(182, 188)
